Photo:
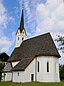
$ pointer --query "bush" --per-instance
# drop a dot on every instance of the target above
(1, 67)
(61, 72)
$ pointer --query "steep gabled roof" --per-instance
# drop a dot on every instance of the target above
(39, 45)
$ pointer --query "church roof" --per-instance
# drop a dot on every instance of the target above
(42, 45)
(22, 64)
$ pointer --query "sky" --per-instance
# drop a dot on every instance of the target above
(40, 17)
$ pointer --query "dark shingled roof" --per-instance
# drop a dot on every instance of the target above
(36, 46)
(23, 64)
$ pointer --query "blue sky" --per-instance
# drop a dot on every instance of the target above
(41, 16)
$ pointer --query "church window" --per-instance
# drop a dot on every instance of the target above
(22, 38)
(47, 66)
(38, 66)
(18, 73)
(23, 31)
(18, 38)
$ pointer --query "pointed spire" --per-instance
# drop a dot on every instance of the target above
(22, 19)
(21, 27)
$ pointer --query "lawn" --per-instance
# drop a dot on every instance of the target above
(31, 84)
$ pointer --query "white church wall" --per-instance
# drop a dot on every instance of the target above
(18, 76)
(42, 75)
(56, 67)
(51, 76)
(29, 71)
(8, 76)
(25, 76)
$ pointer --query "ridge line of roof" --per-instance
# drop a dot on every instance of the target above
(37, 36)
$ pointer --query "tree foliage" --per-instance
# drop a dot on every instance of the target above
(60, 40)
(1, 67)
(61, 72)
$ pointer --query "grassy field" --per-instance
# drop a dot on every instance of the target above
(31, 84)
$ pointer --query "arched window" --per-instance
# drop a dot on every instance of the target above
(18, 73)
(47, 66)
(38, 66)
(22, 38)
(18, 38)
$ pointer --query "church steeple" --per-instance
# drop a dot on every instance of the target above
(22, 20)
(21, 33)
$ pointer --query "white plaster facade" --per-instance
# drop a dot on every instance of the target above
(42, 75)
(7, 76)
(53, 74)
(20, 36)
(25, 76)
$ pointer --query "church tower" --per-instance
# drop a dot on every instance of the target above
(21, 33)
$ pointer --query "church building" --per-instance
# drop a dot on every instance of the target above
(34, 59)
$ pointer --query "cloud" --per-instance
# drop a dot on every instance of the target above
(50, 16)
(3, 16)
(16, 8)
(52, 5)
(5, 42)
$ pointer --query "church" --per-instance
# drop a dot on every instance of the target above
(34, 59)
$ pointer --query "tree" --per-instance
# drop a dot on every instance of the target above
(1, 68)
(60, 41)
(61, 72)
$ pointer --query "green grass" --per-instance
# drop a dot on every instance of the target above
(31, 84)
